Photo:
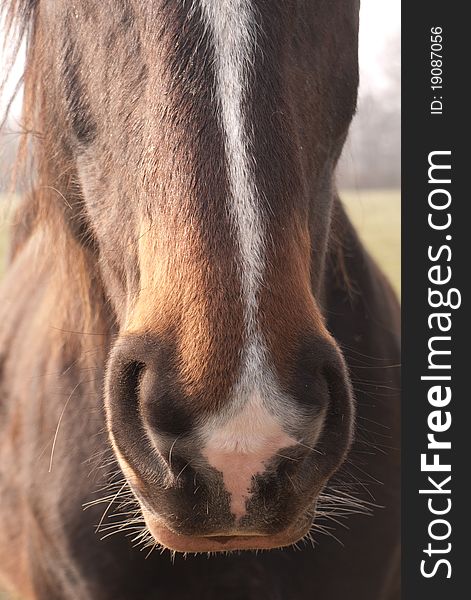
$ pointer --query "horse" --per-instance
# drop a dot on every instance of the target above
(198, 357)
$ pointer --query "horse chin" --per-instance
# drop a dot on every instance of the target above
(223, 541)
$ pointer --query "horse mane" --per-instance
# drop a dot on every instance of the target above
(49, 202)
(19, 18)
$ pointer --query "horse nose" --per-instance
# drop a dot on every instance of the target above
(251, 465)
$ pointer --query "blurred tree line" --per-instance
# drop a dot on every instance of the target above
(372, 153)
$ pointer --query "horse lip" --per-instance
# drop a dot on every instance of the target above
(219, 542)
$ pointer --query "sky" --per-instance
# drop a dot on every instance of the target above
(379, 23)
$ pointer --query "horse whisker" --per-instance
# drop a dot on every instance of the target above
(59, 423)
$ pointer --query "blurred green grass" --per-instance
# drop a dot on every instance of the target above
(376, 215)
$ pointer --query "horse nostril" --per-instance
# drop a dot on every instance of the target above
(122, 395)
(142, 383)
(127, 380)
(165, 410)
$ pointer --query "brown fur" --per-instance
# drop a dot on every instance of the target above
(124, 239)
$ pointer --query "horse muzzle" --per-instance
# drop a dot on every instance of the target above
(246, 479)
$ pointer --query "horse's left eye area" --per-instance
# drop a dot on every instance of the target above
(242, 476)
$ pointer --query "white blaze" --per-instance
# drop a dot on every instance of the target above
(231, 24)
(242, 448)
(232, 27)
(241, 442)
